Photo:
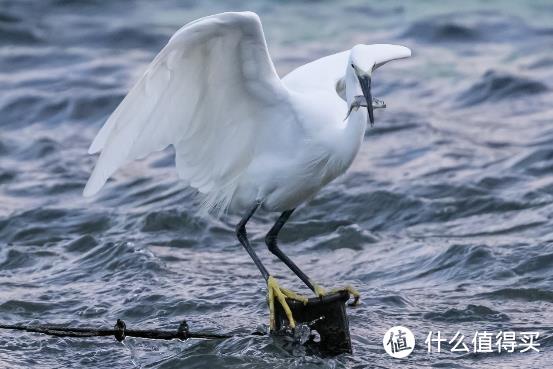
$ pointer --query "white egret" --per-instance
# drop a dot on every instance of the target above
(243, 137)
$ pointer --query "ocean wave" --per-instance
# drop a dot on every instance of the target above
(496, 86)
(470, 313)
(526, 294)
(442, 31)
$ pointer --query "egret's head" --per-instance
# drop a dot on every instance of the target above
(364, 59)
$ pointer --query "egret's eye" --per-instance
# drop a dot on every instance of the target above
(353, 66)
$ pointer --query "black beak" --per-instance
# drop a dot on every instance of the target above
(365, 82)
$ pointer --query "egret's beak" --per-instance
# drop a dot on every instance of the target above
(365, 82)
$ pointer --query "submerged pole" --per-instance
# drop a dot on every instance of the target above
(325, 315)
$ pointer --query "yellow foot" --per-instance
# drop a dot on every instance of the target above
(320, 292)
(274, 290)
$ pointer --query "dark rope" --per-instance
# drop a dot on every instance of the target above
(119, 331)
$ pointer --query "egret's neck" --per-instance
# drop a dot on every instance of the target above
(356, 122)
(348, 86)
(352, 87)
(354, 129)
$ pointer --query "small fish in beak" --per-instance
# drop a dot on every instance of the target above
(360, 101)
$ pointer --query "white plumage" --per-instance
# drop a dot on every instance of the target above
(241, 134)
(243, 137)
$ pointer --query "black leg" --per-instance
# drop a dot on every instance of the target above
(243, 238)
(271, 241)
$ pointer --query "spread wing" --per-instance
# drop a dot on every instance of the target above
(204, 93)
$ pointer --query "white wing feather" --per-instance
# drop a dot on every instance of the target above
(204, 93)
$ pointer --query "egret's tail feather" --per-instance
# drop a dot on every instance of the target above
(217, 202)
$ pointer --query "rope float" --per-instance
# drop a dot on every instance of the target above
(119, 331)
